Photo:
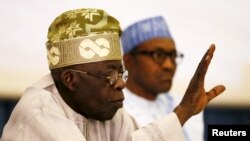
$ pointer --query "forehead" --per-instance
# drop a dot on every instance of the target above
(102, 65)
(166, 44)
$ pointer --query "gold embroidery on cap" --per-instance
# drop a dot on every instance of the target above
(88, 48)
(89, 13)
(53, 55)
(100, 24)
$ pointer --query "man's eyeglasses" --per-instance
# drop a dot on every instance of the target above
(159, 55)
(112, 78)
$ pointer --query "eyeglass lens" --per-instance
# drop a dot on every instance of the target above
(113, 78)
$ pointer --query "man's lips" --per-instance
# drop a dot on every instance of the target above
(165, 77)
(120, 100)
(117, 103)
(168, 80)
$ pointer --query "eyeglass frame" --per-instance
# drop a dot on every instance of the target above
(153, 54)
(123, 76)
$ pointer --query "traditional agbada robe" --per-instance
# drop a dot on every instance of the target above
(42, 115)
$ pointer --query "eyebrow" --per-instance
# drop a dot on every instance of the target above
(115, 66)
(156, 48)
(159, 48)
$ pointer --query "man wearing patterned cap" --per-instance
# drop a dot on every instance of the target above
(151, 58)
(82, 99)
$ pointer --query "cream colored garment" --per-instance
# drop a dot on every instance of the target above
(145, 111)
(42, 115)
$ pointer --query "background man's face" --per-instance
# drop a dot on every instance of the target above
(147, 72)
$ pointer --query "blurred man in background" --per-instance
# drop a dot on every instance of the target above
(151, 58)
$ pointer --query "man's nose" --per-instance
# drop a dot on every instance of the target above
(168, 63)
(120, 84)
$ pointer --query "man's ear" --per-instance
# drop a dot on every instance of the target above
(69, 79)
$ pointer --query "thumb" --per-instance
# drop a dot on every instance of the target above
(215, 92)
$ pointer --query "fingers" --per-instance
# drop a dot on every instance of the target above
(215, 92)
(209, 52)
(204, 63)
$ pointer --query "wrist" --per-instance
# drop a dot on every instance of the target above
(182, 113)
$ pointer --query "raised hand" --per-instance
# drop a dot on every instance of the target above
(196, 98)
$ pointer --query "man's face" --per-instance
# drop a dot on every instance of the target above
(95, 97)
(151, 69)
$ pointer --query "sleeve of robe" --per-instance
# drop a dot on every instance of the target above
(33, 120)
(42, 126)
(167, 128)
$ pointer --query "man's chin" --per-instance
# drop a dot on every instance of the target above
(107, 116)
(164, 89)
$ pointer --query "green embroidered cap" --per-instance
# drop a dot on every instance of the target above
(83, 36)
